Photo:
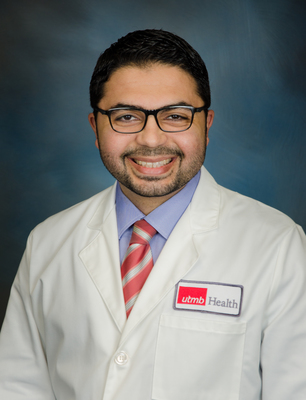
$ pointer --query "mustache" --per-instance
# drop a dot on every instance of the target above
(147, 151)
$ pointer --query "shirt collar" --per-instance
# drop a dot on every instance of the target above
(163, 218)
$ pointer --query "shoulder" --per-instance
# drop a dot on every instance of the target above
(249, 223)
(253, 213)
(235, 212)
(76, 217)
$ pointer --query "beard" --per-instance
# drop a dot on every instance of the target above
(153, 186)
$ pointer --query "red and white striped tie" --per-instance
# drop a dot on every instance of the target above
(137, 263)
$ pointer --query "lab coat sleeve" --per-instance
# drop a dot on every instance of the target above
(23, 367)
(283, 357)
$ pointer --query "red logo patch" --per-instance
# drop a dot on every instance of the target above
(192, 295)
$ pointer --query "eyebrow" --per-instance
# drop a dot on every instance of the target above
(123, 105)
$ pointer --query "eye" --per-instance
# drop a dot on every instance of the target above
(126, 116)
(176, 115)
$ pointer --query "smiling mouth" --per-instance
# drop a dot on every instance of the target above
(153, 164)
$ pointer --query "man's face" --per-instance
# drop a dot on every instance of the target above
(151, 163)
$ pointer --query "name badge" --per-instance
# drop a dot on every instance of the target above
(211, 297)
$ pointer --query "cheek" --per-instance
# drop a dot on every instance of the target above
(191, 144)
(113, 144)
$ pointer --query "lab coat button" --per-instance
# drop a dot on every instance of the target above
(121, 358)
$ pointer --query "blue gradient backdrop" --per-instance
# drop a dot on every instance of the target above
(255, 51)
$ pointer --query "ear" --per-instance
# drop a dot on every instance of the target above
(92, 122)
(209, 122)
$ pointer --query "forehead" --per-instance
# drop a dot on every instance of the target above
(150, 87)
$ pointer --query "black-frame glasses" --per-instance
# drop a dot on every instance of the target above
(133, 120)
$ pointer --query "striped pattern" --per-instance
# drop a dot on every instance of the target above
(137, 263)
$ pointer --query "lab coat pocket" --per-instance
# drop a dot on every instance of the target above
(198, 359)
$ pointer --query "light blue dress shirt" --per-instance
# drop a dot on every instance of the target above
(163, 218)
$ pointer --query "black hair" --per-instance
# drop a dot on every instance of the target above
(143, 48)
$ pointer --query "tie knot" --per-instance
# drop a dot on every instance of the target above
(142, 232)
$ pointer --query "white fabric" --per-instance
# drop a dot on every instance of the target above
(66, 319)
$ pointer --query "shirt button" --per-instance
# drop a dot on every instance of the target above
(121, 358)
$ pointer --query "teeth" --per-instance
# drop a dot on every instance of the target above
(153, 165)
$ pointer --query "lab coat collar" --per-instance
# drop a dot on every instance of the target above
(205, 205)
(106, 206)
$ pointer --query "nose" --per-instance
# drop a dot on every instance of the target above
(151, 135)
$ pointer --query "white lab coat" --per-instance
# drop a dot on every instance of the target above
(66, 325)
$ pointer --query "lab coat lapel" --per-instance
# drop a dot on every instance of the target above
(179, 253)
(170, 267)
(101, 258)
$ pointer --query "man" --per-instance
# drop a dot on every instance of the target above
(220, 315)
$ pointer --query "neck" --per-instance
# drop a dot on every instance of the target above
(146, 204)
